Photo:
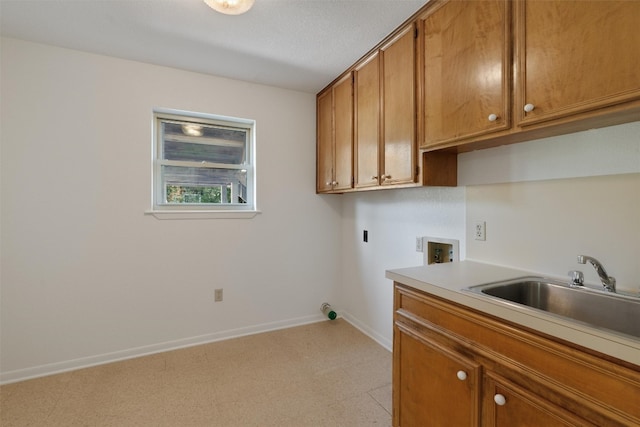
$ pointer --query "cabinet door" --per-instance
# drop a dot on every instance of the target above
(508, 405)
(343, 133)
(367, 118)
(464, 70)
(432, 386)
(324, 167)
(576, 56)
(398, 164)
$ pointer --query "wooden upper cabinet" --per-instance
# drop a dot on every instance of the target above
(335, 137)
(464, 70)
(343, 137)
(367, 121)
(480, 74)
(575, 56)
(324, 155)
(385, 126)
(398, 163)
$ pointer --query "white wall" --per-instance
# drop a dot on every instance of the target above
(542, 226)
(86, 276)
(549, 200)
(596, 152)
(541, 205)
(393, 218)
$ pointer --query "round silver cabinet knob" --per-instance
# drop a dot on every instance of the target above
(374, 177)
(500, 399)
(462, 375)
(529, 108)
(492, 117)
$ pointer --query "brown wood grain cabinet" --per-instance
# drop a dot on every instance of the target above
(399, 159)
(429, 390)
(575, 57)
(324, 141)
(334, 145)
(494, 72)
(479, 74)
(367, 122)
(453, 365)
(509, 405)
(464, 70)
(385, 147)
(384, 125)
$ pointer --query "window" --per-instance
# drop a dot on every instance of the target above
(203, 164)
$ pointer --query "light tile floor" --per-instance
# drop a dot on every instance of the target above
(322, 374)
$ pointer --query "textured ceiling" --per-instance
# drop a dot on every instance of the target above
(295, 44)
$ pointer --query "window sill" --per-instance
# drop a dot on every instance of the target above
(202, 214)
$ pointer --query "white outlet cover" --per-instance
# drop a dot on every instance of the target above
(479, 231)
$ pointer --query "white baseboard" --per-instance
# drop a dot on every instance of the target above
(384, 342)
(101, 359)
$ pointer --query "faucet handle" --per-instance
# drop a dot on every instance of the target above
(577, 278)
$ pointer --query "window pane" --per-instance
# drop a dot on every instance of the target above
(199, 195)
(203, 162)
(187, 185)
(200, 142)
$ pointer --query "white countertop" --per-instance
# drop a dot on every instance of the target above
(447, 281)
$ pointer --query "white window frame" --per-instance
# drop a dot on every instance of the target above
(205, 211)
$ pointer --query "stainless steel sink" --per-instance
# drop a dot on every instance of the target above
(605, 310)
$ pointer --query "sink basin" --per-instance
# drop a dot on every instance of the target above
(600, 309)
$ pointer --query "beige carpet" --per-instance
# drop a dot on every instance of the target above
(323, 374)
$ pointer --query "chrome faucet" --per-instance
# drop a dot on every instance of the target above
(608, 282)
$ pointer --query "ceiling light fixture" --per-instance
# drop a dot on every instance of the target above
(230, 7)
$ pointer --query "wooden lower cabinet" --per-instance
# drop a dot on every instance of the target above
(453, 366)
(435, 384)
(506, 405)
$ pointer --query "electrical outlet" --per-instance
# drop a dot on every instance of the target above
(480, 230)
(419, 247)
(217, 295)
